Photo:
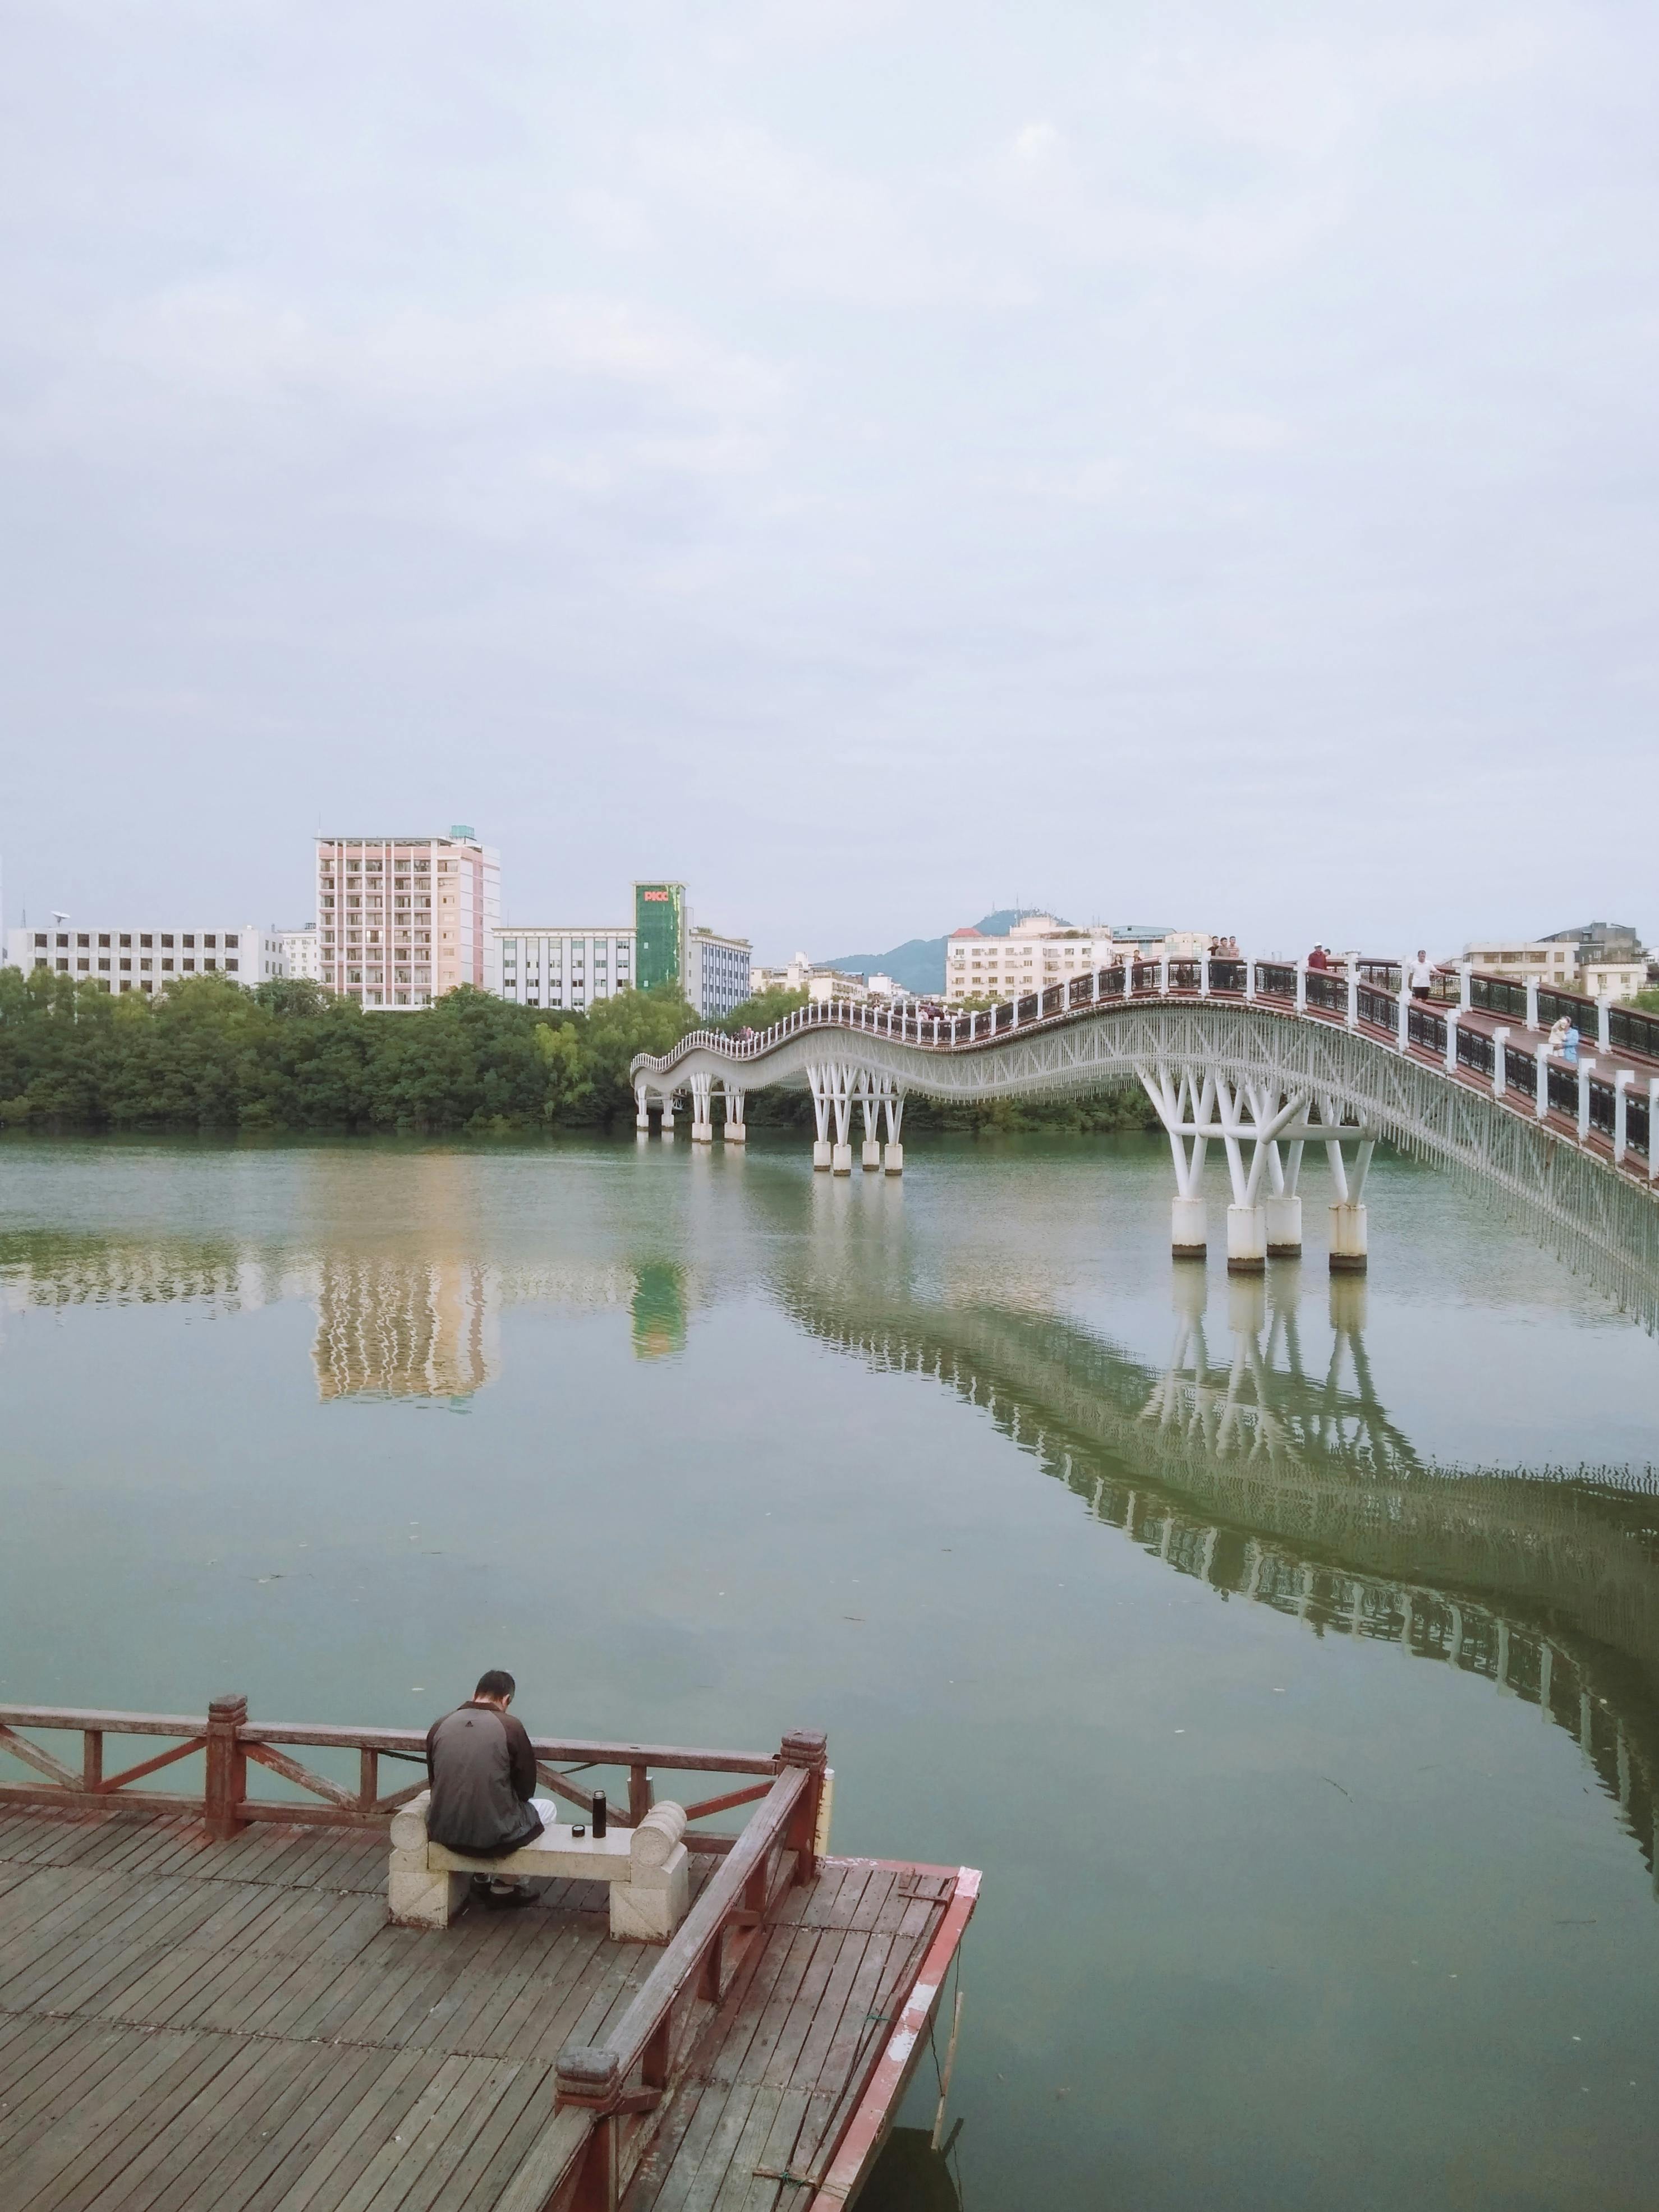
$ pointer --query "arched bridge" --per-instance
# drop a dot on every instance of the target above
(1262, 1057)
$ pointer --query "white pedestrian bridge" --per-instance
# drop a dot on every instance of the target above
(1263, 1059)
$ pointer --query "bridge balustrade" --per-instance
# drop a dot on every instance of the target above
(1497, 994)
(1425, 1029)
(1520, 1069)
(1275, 979)
(1563, 1089)
(1228, 975)
(1632, 1030)
(1384, 973)
(1025, 1010)
(1638, 1127)
(1184, 975)
(1054, 999)
(1475, 1050)
(1379, 1007)
(1601, 1097)
(1114, 982)
(1145, 975)
(1328, 992)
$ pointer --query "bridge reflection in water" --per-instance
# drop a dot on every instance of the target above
(1277, 1483)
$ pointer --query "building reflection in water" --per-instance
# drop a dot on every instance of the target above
(658, 1310)
(1278, 1483)
(390, 1329)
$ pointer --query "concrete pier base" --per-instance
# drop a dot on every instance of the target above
(1284, 1226)
(821, 1156)
(702, 1132)
(735, 1133)
(1347, 1240)
(1187, 1234)
(642, 1122)
(1247, 1240)
(841, 1159)
(869, 1159)
(893, 1163)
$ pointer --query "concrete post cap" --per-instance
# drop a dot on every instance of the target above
(229, 1705)
(588, 2074)
(657, 1837)
(803, 1748)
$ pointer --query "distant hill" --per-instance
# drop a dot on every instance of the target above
(918, 964)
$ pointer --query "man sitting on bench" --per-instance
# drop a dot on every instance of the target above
(482, 1773)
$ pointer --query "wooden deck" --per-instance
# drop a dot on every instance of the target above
(187, 2022)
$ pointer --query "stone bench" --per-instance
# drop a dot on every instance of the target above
(646, 1869)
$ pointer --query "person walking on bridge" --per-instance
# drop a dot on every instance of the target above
(482, 1773)
(1422, 975)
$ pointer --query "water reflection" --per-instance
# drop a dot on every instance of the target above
(1276, 1484)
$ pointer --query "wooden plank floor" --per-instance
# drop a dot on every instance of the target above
(186, 2024)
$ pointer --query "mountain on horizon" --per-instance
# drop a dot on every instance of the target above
(918, 964)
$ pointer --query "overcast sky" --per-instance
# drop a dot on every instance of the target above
(874, 461)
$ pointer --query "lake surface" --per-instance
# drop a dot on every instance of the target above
(1286, 1655)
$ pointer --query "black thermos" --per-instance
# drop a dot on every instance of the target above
(598, 1812)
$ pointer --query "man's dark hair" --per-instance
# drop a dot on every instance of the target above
(497, 1683)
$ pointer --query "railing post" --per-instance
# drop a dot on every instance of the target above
(227, 1767)
(91, 1758)
(1653, 1128)
(1250, 978)
(1404, 1018)
(1531, 1002)
(639, 1794)
(1621, 1083)
(1204, 975)
(1302, 986)
(1164, 976)
(1586, 1069)
(1465, 975)
(1500, 1074)
(591, 2075)
(1541, 1103)
(1604, 1009)
(807, 1747)
(1353, 992)
(1452, 1014)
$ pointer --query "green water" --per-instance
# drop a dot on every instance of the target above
(1285, 1657)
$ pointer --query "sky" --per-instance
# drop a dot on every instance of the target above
(872, 459)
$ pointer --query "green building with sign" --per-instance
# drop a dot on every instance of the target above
(659, 935)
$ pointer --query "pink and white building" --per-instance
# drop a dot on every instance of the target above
(400, 921)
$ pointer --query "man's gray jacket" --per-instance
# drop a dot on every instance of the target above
(483, 1775)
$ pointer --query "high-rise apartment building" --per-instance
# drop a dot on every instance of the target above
(400, 921)
(146, 959)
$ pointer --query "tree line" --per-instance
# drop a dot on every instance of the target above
(207, 1055)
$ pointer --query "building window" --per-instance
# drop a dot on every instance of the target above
(209, 963)
(191, 941)
(84, 963)
(126, 964)
(104, 963)
(166, 940)
(63, 967)
(167, 965)
(147, 987)
(83, 939)
(41, 937)
(233, 964)
(146, 963)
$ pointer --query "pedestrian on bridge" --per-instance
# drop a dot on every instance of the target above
(1422, 975)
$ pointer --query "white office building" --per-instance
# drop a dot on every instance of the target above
(146, 957)
(571, 969)
(302, 953)
(716, 972)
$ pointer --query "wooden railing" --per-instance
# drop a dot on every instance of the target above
(606, 2093)
(231, 1744)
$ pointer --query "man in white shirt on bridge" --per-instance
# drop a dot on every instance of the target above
(1422, 976)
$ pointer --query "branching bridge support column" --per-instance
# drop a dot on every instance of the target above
(1249, 1120)
(1348, 1239)
(817, 1081)
(870, 1102)
(734, 1133)
(642, 1110)
(702, 1125)
(892, 1099)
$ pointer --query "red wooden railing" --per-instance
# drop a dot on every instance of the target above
(232, 1744)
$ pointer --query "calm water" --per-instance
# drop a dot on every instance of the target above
(1287, 1659)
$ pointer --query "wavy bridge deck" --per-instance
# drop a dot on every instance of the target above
(186, 2022)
